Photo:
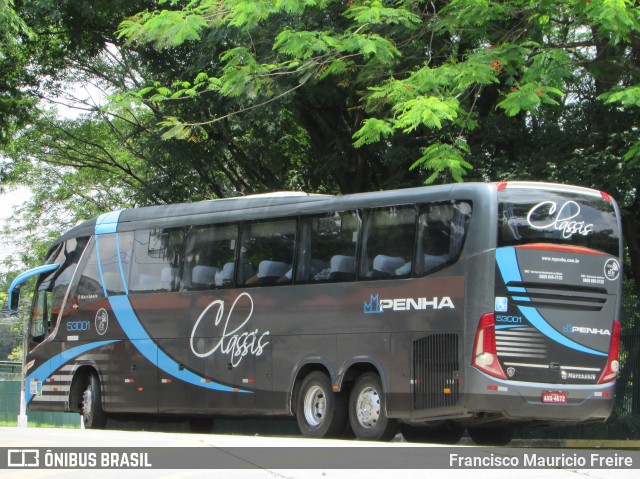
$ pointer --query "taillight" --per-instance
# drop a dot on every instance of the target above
(613, 361)
(485, 356)
(606, 197)
(502, 185)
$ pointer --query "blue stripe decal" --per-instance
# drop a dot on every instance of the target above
(509, 326)
(524, 299)
(131, 326)
(538, 322)
(56, 362)
(124, 280)
(108, 222)
(516, 289)
(509, 269)
(508, 264)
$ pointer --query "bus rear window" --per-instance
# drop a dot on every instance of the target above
(535, 216)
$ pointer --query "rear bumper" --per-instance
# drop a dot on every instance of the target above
(521, 402)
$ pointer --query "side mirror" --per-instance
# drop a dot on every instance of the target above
(14, 289)
(14, 300)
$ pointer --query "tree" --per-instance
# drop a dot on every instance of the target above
(106, 159)
(465, 83)
(340, 96)
(15, 104)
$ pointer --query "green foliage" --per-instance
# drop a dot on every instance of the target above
(627, 97)
(370, 46)
(528, 97)
(372, 131)
(166, 29)
(303, 45)
(445, 158)
(634, 152)
(429, 111)
(10, 338)
(15, 103)
(375, 13)
(473, 13)
(616, 20)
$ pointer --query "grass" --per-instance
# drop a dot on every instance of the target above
(40, 424)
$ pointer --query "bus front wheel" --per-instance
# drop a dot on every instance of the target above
(320, 412)
(367, 410)
(93, 416)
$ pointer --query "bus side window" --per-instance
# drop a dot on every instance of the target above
(327, 249)
(209, 259)
(157, 256)
(89, 284)
(41, 313)
(442, 229)
(388, 242)
(115, 267)
(51, 290)
(266, 254)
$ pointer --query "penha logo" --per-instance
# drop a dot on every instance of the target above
(571, 329)
(375, 305)
(547, 216)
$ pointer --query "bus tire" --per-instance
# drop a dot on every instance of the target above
(444, 434)
(491, 436)
(320, 412)
(93, 416)
(367, 410)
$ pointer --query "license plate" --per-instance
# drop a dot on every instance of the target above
(555, 397)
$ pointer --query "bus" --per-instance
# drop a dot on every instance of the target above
(430, 311)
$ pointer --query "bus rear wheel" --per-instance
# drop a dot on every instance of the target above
(367, 410)
(487, 436)
(93, 416)
(320, 412)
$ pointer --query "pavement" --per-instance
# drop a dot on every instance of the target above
(179, 455)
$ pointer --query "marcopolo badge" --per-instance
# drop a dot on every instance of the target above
(102, 321)
(612, 269)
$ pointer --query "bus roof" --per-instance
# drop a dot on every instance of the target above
(290, 203)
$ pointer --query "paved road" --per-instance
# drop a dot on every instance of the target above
(243, 448)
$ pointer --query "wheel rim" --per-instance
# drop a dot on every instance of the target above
(368, 407)
(315, 406)
(87, 402)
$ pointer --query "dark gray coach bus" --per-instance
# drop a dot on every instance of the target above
(430, 310)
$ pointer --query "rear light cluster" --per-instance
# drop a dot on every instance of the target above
(613, 362)
(485, 355)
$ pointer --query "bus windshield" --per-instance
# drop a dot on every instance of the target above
(527, 216)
